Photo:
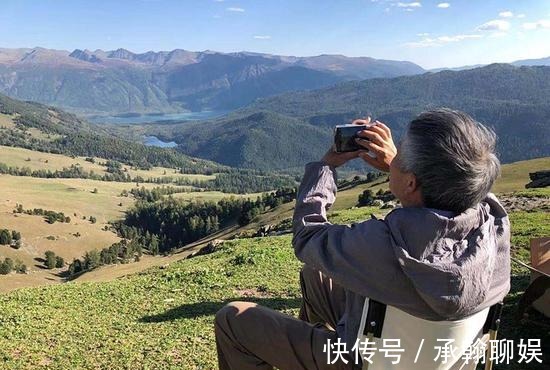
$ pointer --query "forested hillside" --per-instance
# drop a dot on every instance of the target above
(515, 101)
(38, 127)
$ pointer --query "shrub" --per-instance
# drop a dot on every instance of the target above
(59, 262)
(6, 266)
(16, 235)
(20, 267)
(5, 237)
(17, 244)
(51, 260)
(92, 259)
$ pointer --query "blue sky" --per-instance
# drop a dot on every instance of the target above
(430, 33)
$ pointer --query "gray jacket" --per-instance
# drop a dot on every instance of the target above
(416, 259)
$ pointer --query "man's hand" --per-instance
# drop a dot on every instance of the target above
(335, 159)
(377, 140)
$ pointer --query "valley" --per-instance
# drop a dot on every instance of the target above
(78, 199)
(284, 131)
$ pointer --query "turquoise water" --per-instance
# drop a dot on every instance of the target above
(156, 118)
(155, 141)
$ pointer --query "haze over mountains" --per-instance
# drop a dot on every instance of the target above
(290, 129)
(120, 81)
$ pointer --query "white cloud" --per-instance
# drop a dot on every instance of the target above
(495, 25)
(506, 14)
(443, 5)
(415, 4)
(456, 38)
(423, 34)
(541, 24)
(497, 34)
(520, 15)
(441, 40)
(262, 37)
(236, 10)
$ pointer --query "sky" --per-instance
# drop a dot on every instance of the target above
(430, 33)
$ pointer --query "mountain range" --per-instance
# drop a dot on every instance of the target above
(287, 130)
(517, 63)
(120, 81)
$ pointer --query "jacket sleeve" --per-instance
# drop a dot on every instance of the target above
(359, 257)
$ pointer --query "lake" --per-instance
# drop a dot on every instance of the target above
(156, 117)
(155, 141)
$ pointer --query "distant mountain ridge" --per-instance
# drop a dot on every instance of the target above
(517, 63)
(120, 81)
(515, 101)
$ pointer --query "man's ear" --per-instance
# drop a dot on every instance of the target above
(412, 183)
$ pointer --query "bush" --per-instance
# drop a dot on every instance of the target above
(6, 266)
(51, 260)
(20, 267)
(59, 262)
(92, 259)
(5, 237)
(16, 235)
(366, 198)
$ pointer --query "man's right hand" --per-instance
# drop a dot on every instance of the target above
(377, 140)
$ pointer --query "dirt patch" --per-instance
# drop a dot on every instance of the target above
(520, 203)
(259, 292)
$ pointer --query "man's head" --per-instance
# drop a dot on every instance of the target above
(445, 160)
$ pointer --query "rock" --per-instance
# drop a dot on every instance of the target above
(388, 205)
(211, 247)
(539, 179)
(264, 230)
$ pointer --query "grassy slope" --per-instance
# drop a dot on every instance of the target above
(20, 157)
(162, 318)
(69, 196)
(515, 175)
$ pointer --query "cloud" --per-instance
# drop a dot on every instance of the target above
(236, 10)
(441, 40)
(541, 24)
(219, 1)
(495, 25)
(262, 37)
(423, 34)
(520, 15)
(506, 14)
(415, 4)
(443, 5)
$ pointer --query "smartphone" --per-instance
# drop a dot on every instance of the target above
(345, 135)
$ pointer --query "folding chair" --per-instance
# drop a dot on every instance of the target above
(419, 338)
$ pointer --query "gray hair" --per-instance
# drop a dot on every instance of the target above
(452, 157)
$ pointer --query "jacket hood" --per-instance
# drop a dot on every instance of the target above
(451, 260)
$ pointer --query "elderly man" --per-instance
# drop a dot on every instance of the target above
(443, 256)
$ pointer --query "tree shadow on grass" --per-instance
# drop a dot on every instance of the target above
(41, 262)
(196, 310)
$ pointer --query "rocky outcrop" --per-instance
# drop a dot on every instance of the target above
(539, 179)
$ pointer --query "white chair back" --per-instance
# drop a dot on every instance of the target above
(412, 331)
